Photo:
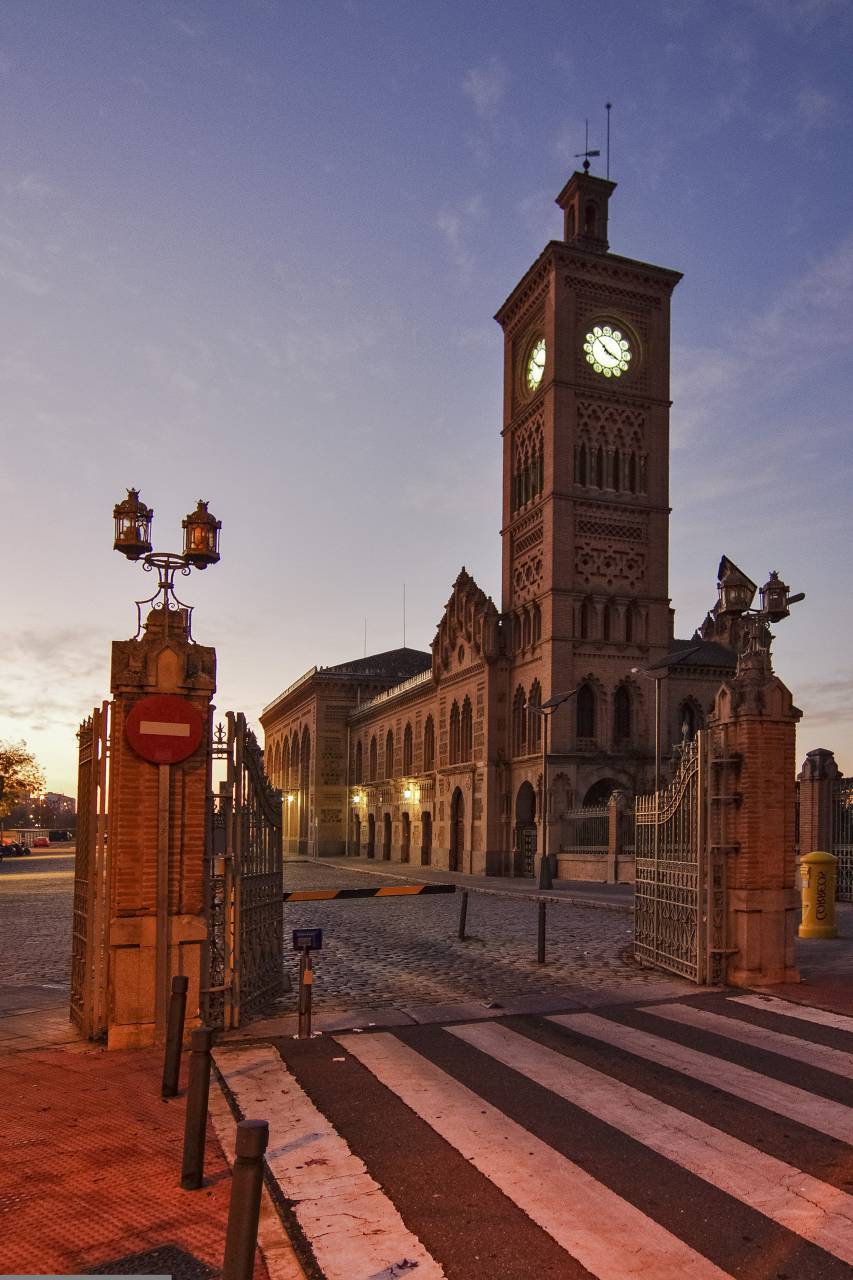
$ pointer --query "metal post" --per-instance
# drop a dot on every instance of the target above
(245, 1207)
(656, 915)
(162, 947)
(545, 879)
(540, 948)
(174, 1037)
(195, 1125)
(306, 981)
(463, 914)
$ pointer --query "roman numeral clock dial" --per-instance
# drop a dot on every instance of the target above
(607, 350)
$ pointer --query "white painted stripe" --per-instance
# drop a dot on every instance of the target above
(815, 1055)
(354, 1230)
(606, 1234)
(812, 1209)
(804, 1012)
(165, 728)
(782, 1099)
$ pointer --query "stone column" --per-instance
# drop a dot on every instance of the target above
(753, 813)
(163, 660)
(818, 780)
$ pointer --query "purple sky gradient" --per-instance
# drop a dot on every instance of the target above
(250, 252)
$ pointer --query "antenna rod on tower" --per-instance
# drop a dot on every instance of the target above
(609, 106)
(404, 615)
(365, 637)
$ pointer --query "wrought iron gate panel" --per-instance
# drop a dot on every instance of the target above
(842, 838)
(679, 900)
(244, 882)
(89, 911)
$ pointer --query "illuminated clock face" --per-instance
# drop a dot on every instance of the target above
(535, 365)
(607, 350)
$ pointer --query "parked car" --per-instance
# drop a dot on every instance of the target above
(41, 842)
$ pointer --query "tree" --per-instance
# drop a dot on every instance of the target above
(21, 775)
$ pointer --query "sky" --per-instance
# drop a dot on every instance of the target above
(250, 251)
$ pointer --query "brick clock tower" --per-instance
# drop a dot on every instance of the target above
(585, 504)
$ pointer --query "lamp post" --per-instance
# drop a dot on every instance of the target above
(546, 710)
(133, 521)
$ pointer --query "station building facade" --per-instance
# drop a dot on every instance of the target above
(437, 757)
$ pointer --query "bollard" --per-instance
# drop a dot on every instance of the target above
(540, 948)
(195, 1125)
(306, 982)
(174, 1037)
(463, 914)
(245, 1207)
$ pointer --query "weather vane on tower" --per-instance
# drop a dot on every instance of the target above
(588, 153)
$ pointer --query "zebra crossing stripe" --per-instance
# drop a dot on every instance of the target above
(812, 1209)
(837, 1061)
(804, 1012)
(605, 1233)
(354, 1230)
(831, 1118)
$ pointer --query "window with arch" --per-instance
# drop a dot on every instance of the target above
(534, 718)
(589, 219)
(585, 712)
(429, 745)
(611, 622)
(622, 714)
(586, 617)
(285, 765)
(407, 750)
(305, 759)
(581, 464)
(389, 754)
(598, 478)
(358, 764)
(525, 636)
(537, 624)
(616, 471)
(294, 763)
(454, 733)
(466, 732)
(631, 633)
(632, 472)
(373, 760)
(519, 723)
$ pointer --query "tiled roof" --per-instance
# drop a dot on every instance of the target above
(395, 665)
(706, 653)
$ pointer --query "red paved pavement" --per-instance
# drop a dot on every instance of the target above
(90, 1163)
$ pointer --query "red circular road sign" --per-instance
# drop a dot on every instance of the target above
(164, 728)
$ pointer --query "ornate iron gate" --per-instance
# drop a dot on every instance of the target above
(244, 882)
(679, 899)
(89, 953)
(842, 838)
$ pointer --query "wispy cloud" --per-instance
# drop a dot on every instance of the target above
(455, 224)
(486, 86)
(47, 679)
(31, 185)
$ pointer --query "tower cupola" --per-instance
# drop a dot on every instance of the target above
(584, 200)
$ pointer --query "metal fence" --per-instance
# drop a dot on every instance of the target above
(842, 838)
(585, 830)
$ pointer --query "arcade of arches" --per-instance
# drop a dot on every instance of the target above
(437, 757)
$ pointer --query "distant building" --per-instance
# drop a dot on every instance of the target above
(437, 757)
(61, 806)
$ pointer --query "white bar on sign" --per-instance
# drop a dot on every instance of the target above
(164, 728)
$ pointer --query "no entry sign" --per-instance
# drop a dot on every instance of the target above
(164, 728)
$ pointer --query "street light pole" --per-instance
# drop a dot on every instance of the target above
(546, 710)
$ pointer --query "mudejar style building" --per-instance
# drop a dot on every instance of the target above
(437, 757)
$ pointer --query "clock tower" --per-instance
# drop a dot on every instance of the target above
(585, 504)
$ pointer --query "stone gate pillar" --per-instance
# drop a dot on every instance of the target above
(818, 780)
(156, 835)
(752, 819)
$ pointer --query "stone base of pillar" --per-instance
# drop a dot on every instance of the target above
(762, 925)
(133, 966)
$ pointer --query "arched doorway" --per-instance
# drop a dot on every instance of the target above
(600, 792)
(406, 839)
(457, 830)
(525, 829)
(386, 837)
(371, 835)
(426, 839)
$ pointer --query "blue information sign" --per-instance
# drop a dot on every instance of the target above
(307, 939)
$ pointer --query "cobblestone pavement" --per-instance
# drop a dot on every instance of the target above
(36, 895)
(405, 951)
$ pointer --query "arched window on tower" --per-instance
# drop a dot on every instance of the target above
(586, 620)
(389, 754)
(537, 624)
(429, 745)
(611, 623)
(585, 709)
(632, 472)
(373, 765)
(622, 714)
(581, 464)
(589, 219)
(616, 471)
(358, 764)
(598, 479)
(454, 733)
(534, 717)
(407, 750)
(466, 732)
(525, 634)
(519, 723)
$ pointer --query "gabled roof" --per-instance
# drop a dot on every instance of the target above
(393, 665)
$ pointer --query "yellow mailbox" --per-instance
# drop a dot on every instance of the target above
(818, 871)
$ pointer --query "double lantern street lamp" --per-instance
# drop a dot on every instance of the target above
(133, 539)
